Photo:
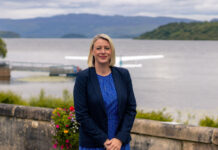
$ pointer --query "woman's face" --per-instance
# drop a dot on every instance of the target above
(102, 52)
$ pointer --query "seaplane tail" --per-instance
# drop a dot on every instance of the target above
(121, 59)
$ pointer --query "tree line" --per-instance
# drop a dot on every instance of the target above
(184, 31)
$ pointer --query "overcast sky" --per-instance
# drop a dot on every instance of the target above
(194, 9)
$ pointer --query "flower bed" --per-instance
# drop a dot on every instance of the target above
(66, 134)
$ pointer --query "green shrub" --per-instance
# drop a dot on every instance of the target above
(155, 115)
(209, 122)
(52, 102)
(11, 98)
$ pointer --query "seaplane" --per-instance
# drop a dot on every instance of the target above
(121, 59)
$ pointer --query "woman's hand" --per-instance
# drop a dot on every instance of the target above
(107, 143)
(115, 144)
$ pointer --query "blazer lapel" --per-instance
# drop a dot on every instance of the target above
(117, 80)
(97, 88)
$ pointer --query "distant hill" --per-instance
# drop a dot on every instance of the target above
(85, 24)
(8, 34)
(214, 20)
(72, 35)
(184, 31)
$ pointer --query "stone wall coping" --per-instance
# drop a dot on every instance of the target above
(26, 112)
(176, 131)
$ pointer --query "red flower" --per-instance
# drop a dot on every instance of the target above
(67, 125)
(72, 108)
(67, 145)
(62, 146)
(69, 118)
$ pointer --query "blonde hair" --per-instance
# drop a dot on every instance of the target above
(91, 59)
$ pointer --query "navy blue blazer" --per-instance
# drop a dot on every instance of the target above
(91, 112)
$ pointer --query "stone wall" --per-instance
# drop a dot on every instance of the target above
(155, 135)
(25, 128)
(28, 128)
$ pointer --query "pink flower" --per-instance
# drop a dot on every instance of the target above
(55, 145)
(58, 114)
(67, 141)
(69, 118)
(62, 146)
(57, 126)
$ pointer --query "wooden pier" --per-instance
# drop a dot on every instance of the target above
(52, 68)
(5, 72)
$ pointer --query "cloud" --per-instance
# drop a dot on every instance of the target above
(195, 9)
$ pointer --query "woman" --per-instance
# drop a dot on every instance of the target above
(104, 100)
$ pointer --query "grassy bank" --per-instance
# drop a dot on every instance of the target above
(43, 100)
(159, 115)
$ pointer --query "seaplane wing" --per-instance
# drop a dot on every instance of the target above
(121, 59)
(134, 58)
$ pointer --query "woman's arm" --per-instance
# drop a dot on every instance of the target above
(129, 115)
(82, 116)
